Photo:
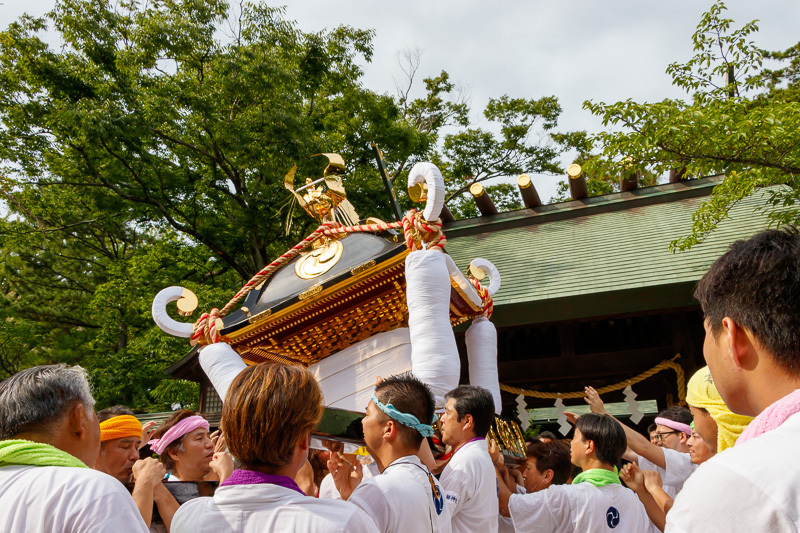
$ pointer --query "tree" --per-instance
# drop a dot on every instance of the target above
(743, 121)
(148, 103)
(150, 150)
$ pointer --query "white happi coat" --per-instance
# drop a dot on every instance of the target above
(579, 508)
(471, 489)
(679, 467)
(68, 499)
(401, 499)
(268, 508)
(754, 486)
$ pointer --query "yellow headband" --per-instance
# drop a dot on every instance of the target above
(701, 392)
(120, 427)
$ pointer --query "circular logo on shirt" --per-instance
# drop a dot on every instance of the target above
(612, 517)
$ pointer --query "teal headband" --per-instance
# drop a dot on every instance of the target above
(426, 430)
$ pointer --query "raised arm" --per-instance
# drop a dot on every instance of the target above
(634, 479)
(636, 442)
(503, 494)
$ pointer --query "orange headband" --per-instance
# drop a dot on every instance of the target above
(120, 427)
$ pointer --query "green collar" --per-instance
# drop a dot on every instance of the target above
(29, 453)
(598, 477)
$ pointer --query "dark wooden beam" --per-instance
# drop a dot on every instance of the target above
(447, 215)
(629, 180)
(528, 192)
(578, 189)
(566, 337)
(677, 175)
(482, 199)
(582, 367)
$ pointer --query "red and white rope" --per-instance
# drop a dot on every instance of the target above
(486, 298)
(416, 231)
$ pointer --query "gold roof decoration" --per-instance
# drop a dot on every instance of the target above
(324, 198)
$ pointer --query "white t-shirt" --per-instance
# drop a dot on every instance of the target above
(471, 489)
(65, 499)
(754, 486)
(504, 523)
(579, 508)
(265, 507)
(401, 499)
(679, 467)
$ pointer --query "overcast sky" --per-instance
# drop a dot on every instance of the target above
(606, 50)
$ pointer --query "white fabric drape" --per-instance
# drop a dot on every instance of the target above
(221, 364)
(481, 340)
(434, 355)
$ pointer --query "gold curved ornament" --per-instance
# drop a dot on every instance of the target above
(187, 303)
(319, 260)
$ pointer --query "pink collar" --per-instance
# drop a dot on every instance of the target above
(771, 417)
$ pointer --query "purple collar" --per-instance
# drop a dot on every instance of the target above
(471, 440)
(251, 477)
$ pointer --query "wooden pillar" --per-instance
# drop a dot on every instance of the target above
(577, 182)
(482, 200)
(447, 215)
(629, 180)
(677, 175)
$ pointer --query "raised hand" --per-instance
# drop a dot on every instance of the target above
(652, 480)
(346, 475)
(147, 429)
(594, 401)
(222, 465)
(633, 477)
(494, 452)
(148, 472)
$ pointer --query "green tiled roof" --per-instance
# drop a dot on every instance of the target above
(606, 245)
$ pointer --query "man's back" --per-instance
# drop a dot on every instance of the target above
(401, 499)
(754, 486)
(64, 499)
(579, 508)
(265, 507)
(471, 489)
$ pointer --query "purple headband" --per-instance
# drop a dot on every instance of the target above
(677, 426)
(187, 425)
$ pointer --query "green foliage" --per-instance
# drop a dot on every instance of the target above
(746, 126)
(476, 155)
(150, 150)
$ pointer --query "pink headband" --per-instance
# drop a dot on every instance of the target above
(677, 426)
(187, 425)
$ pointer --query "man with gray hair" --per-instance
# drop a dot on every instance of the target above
(49, 438)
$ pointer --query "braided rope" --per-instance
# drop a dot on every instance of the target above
(417, 231)
(663, 365)
(486, 298)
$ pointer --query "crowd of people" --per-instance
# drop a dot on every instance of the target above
(721, 464)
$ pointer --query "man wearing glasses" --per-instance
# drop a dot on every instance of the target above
(670, 455)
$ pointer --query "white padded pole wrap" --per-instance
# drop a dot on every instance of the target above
(434, 355)
(221, 364)
(481, 340)
(162, 319)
